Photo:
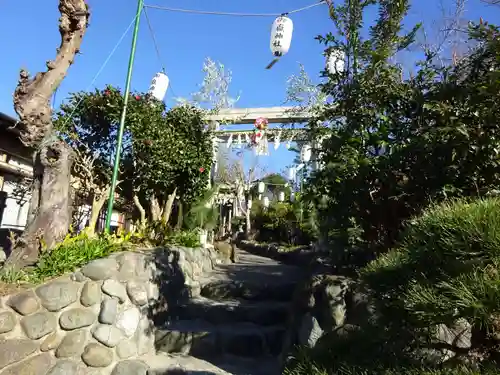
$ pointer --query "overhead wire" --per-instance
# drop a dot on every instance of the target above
(233, 14)
(102, 67)
(157, 48)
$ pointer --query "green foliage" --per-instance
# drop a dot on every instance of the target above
(159, 233)
(399, 143)
(175, 152)
(203, 214)
(281, 222)
(446, 268)
(186, 238)
(73, 252)
(163, 150)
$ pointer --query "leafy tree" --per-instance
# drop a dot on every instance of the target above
(399, 144)
(49, 215)
(166, 153)
(172, 157)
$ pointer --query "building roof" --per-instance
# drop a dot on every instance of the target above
(10, 124)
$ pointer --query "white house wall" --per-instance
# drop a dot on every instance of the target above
(16, 209)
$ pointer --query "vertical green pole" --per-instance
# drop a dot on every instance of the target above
(140, 5)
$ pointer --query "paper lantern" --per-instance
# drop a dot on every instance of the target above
(292, 197)
(261, 187)
(265, 202)
(305, 153)
(281, 196)
(335, 62)
(281, 36)
(159, 86)
(249, 203)
(292, 173)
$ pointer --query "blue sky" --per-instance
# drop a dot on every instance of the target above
(185, 40)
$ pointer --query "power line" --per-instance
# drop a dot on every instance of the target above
(157, 49)
(214, 13)
(102, 67)
(158, 54)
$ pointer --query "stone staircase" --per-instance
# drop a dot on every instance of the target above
(236, 322)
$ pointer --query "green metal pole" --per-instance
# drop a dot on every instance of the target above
(140, 5)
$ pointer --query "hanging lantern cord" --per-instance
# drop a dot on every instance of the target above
(157, 48)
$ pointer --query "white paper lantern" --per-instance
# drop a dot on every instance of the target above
(265, 202)
(281, 36)
(261, 187)
(292, 197)
(335, 62)
(249, 203)
(292, 172)
(159, 86)
(305, 153)
(281, 196)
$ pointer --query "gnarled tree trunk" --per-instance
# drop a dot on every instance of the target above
(98, 201)
(167, 209)
(50, 215)
(142, 211)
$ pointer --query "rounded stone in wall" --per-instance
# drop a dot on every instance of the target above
(52, 341)
(130, 367)
(108, 335)
(7, 321)
(126, 349)
(100, 269)
(14, 350)
(137, 293)
(115, 289)
(24, 303)
(56, 295)
(109, 311)
(72, 344)
(96, 355)
(38, 325)
(66, 367)
(91, 293)
(37, 365)
(76, 318)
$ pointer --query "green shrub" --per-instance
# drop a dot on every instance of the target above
(72, 253)
(446, 267)
(186, 238)
(281, 222)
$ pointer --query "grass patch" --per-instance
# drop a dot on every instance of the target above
(71, 254)
(76, 251)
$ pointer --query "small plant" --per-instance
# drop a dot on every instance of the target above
(186, 238)
(73, 252)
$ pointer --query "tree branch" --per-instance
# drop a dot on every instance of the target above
(32, 95)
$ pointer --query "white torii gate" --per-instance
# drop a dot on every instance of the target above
(275, 115)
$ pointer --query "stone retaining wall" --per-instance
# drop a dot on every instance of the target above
(87, 322)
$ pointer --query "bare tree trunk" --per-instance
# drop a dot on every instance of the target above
(97, 204)
(50, 209)
(167, 209)
(180, 217)
(155, 208)
(142, 211)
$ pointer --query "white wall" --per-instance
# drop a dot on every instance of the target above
(16, 209)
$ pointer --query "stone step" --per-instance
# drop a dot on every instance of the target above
(167, 364)
(208, 341)
(265, 313)
(249, 366)
(177, 364)
(220, 290)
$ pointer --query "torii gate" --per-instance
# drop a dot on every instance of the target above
(274, 115)
(244, 116)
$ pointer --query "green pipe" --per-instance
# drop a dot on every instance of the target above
(140, 5)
